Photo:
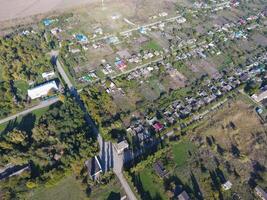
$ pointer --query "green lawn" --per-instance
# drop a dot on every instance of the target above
(67, 189)
(152, 45)
(111, 191)
(22, 87)
(152, 185)
(181, 152)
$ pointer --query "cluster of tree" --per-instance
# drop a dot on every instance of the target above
(102, 109)
(60, 138)
(22, 57)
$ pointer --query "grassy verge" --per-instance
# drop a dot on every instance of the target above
(111, 191)
(67, 189)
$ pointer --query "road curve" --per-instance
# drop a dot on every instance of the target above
(43, 104)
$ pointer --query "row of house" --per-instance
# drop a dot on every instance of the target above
(144, 128)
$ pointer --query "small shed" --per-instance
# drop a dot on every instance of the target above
(227, 185)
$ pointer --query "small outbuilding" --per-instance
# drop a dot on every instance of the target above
(227, 185)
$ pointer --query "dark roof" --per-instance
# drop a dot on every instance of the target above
(160, 170)
(183, 196)
(261, 192)
(93, 166)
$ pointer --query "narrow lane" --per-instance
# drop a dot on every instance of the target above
(42, 104)
(108, 156)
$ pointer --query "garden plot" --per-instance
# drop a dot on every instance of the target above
(162, 41)
(123, 102)
(174, 79)
(95, 55)
(260, 39)
(205, 66)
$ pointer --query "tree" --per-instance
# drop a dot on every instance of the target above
(17, 137)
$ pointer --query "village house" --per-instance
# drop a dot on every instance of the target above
(261, 193)
(48, 75)
(94, 168)
(227, 185)
(261, 96)
(160, 169)
(183, 196)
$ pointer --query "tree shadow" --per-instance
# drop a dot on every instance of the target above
(27, 123)
(139, 186)
(10, 126)
(196, 188)
(114, 196)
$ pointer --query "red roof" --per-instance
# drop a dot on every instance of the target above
(158, 126)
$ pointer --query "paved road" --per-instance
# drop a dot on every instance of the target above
(64, 75)
(43, 104)
(108, 156)
(118, 164)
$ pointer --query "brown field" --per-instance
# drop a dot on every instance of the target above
(234, 125)
(20, 9)
(237, 124)
(204, 66)
(18, 12)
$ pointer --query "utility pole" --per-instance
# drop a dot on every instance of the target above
(102, 4)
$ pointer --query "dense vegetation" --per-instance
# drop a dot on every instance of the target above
(22, 57)
(58, 140)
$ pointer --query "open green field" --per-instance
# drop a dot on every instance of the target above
(181, 151)
(67, 189)
(151, 184)
(152, 45)
(22, 87)
(111, 191)
(71, 189)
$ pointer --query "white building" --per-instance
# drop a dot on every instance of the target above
(227, 185)
(260, 97)
(42, 90)
(48, 75)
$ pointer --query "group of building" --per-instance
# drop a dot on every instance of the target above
(43, 90)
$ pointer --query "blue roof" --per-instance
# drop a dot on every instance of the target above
(47, 22)
(81, 37)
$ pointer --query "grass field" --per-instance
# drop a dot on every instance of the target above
(67, 189)
(22, 87)
(152, 185)
(111, 191)
(152, 45)
(181, 152)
